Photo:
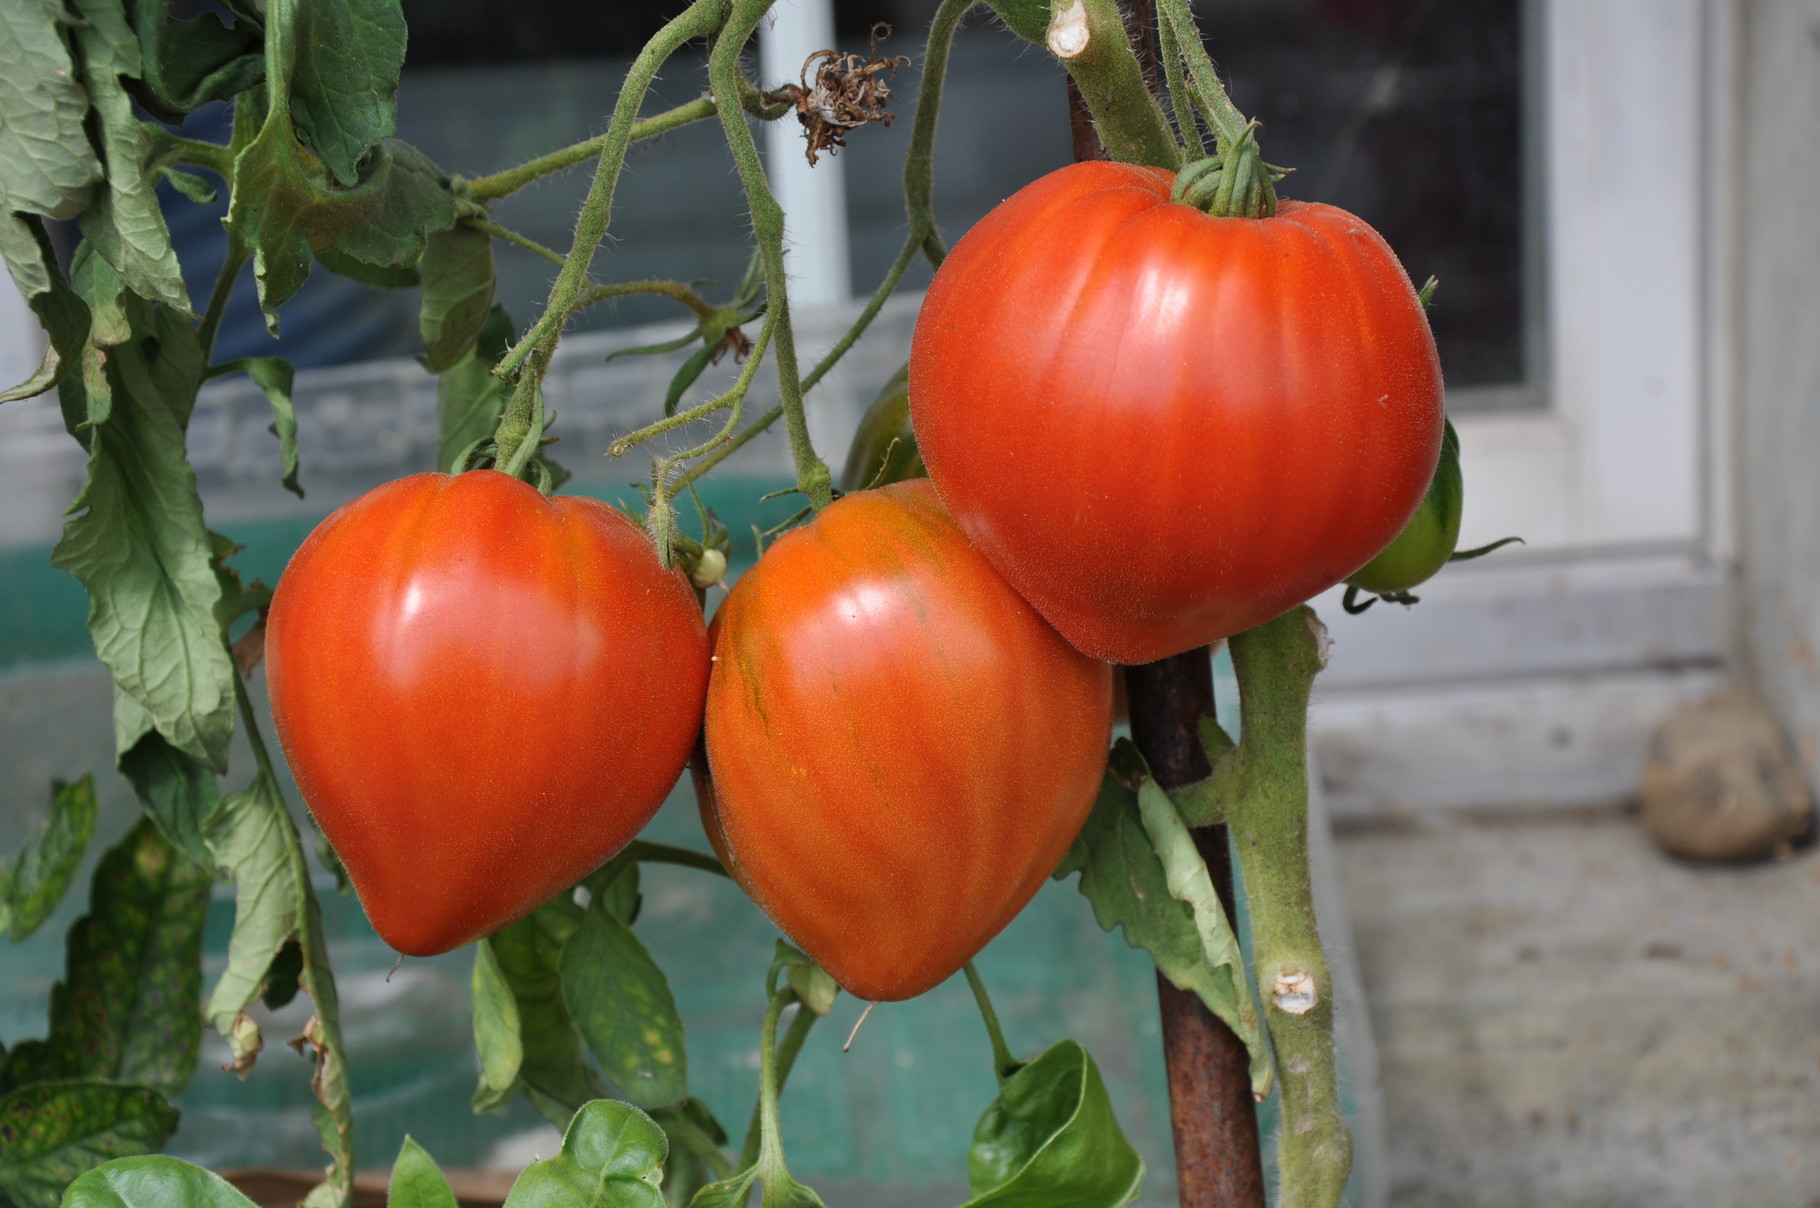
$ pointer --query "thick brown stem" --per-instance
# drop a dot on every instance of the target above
(1217, 1158)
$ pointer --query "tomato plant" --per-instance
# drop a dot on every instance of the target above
(483, 694)
(1164, 427)
(901, 748)
(884, 445)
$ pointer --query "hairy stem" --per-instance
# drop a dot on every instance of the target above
(812, 475)
(232, 262)
(503, 184)
(1267, 809)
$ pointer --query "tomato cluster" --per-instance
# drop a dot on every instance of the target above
(1145, 428)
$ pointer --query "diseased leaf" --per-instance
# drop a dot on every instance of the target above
(1050, 1140)
(124, 223)
(274, 377)
(138, 543)
(125, 1010)
(344, 77)
(187, 62)
(284, 210)
(612, 1157)
(554, 1072)
(416, 1182)
(498, 1032)
(458, 279)
(64, 316)
(47, 864)
(469, 399)
(153, 1181)
(53, 1131)
(46, 164)
(379, 276)
(1127, 882)
(622, 1006)
(283, 977)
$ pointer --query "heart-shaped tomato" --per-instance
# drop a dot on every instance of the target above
(483, 694)
(901, 748)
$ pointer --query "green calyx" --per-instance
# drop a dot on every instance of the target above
(1235, 183)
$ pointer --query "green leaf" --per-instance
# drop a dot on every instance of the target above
(469, 399)
(612, 1157)
(274, 376)
(1131, 886)
(458, 280)
(621, 1004)
(47, 863)
(554, 1072)
(124, 223)
(64, 316)
(247, 838)
(344, 79)
(284, 210)
(178, 792)
(498, 1033)
(416, 1182)
(126, 1009)
(1050, 1140)
(186, 63)
(153, 1181)
(54, 1131)
(728, 1193)
(695, 1138)
(46, 164)
(139, 544)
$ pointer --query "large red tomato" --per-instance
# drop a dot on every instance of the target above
(901, 748)
(1164, 427)
(483, 694)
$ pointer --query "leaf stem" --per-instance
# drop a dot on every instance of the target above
(513, 237)
(787, 1051)
(231, 263)
(503, 184)
(702, 308)
(1003, 1064)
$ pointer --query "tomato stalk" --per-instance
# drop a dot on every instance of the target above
(521, 425)
(1003, 1063)
(1263, 785)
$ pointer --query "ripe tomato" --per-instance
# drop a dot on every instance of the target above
(483, 694)
(1164, 427)
(901, 748)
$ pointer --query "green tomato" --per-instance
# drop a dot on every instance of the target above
(1427, 541)
(875, 459)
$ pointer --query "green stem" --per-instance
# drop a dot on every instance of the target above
(1188, 127)
(503, 184)
(513, 237)
(172, 148)
(1204, 90)
(231, 263)
(787, 1051)
(1267, 809)
(521, 423)
(1098, 55)
(812, 475)
(645, 852)
(919, 162)
(1003, 1063)
(702, 308)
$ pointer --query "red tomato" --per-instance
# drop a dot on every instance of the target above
(1164, 427)
(901, 748)
(483, 694)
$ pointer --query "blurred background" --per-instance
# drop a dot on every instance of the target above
(1554, 1003)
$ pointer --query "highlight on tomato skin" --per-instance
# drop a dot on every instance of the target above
(900, 748)
(482, 693)
(1164, 427)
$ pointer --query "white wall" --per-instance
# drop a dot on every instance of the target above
(1778, 374)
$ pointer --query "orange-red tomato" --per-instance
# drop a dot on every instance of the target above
(901, 748)
(483, 694)
(1164, 427)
